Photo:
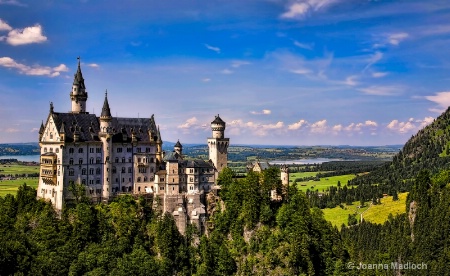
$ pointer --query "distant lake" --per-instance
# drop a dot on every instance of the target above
(304, 161)
(25, 158)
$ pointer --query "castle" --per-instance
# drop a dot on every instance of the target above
(110, 156)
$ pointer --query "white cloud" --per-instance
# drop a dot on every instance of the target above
(12, 2)
(239, 63)
(262, 112)
(396, 38)
(337, 128)
(303, 45)
(35, 70)
(301, 71)
(238, 126)
(11, 130)
(297, 125)
(4, 26)
(298, 9)
(212, 48)
(379, 74)
(27, 35)
(206, 80)
(35, 129)
(226, 71)
(191, 122)
(351, 81)
(440, 98)
(377, 56)
(381, 90)
(409, 126)
(319, 126)
(93, 65)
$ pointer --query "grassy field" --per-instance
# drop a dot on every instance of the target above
(375, 213)
(338, 216)
(379, 213)
(11, 186)
(325, 182)
(17, 169)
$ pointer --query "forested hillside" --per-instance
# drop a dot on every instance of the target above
(428, 149)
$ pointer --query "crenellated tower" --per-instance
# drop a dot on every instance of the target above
(106, 137)
(78, 95)
(218, 144)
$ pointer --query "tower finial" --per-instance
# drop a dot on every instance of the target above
(51, 107)
(106, 93)
(79, 60)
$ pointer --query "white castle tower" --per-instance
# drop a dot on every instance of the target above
(105, 135)
(218, 144)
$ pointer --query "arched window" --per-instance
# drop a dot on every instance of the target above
(80, 161)
(71, 161)
(51, 135)
(83, 181)
(71, 150)
(45, 149)
(117, 159)
(114, 170)
(98, 171)
(138, 179)
(71, 172)
(123, 170)
(123, 159)
(57, 150)
(80, 150)
(83, 171)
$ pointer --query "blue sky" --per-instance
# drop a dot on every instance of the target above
(282, 72)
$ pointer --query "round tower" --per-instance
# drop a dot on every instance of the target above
(284, 175)
(106, 138)
(218, 145)
(78, 95)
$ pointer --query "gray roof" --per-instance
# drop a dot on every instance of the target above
(197, 163)
(106, 112)
(88, 127)
(218, 120)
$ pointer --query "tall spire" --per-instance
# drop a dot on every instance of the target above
(106, 112)
(78, 77)
(78, 95)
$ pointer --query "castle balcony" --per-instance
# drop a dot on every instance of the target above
(48, 171)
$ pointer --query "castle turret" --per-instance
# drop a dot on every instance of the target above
(159, 152)
(78, 95)
(106, 137)
(41, 131)
(284, 175)
(218, 145)
(178, 148)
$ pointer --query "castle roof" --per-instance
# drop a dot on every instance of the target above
(218, 120)
(178, 145)
(106, 112)
(78, 77)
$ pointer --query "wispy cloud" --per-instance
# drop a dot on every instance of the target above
(377, 56)
(24, 36)
(4, 26)
(12, 2)
(382, 90)
(299, 9)
(226, 71)
(239, 63)
(396, 38)
(379, 74)
(212, 48)
(93, 65)
(262, 112)
(303, 45)
(35, 70)
(440, 98)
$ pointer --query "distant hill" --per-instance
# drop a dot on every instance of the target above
(428, 149)
(19, 149)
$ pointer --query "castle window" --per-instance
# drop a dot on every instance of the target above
(83, 181)
(70, 150)
(191, 170)
(80, 150)
(128, 149)
(91, 160)
(152, 178)
(98, 150)
(51, 135)
(119, 150)
(173, 180)
(98, 171)
(91, 171)
(57, 150)
(114, 170)
(151, 160)
(139, 160)
(59, 173)
(45, 149)
(138, 149)
(80, 161)
(130, 169)
(71, 172)
(83, 171)
(145, 179)
(129, 160)
(51, 149)
(123, 169)
(117, 159)
(139, 189)
(191, 179)
(71, 161)
(117, 180)
(91, 150)
(138, 179)
(98, 160)
(151, 169)
(97, 181)
(123, 180)
(123, 159)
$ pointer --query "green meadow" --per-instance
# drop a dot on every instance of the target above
(372, 213)
(11, 186)
(324, 182)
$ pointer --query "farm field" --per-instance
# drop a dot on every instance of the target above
(375, 213)
(11, 186)
(324, 183)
